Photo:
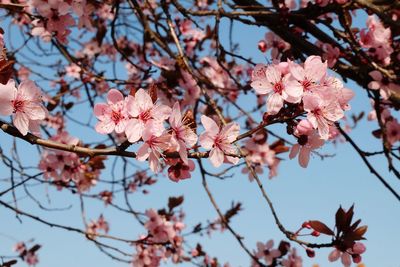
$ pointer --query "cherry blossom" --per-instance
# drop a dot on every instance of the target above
(310, 74)
(277, 87)
(219, 140)
(266, 252)
(24, 104)
(145, 113)
(321, 113)
(113, 115)
(385, 87)
(182, 134)
(154, 145)
(307, 143)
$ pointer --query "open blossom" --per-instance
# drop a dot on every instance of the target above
(145, 113)
(310, 74)
(331, 53)
(276, 85)
(276, 44)
(293, 259)
(182, 134)
(180, 170)
(219, 140)
(113, 114)
(308, 140)
(153, 147)
(352, 254)
(321, 113)
(24, 103)
(377, 39)
(385, 87)
(159, 228)
(266, 252)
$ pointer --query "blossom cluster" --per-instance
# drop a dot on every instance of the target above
(163, 241)
(142, 118)
(28, 255)
(377, 40)
(64, 167)
(323, 99)
(56, 17)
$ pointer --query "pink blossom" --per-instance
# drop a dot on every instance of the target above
(112, 115)
(182, 134)
(144, 113)
(276, 44)
(331, 53)
(266, 252)
(180, 170)
(219, 140)
(321, 113)
(159, 228)
(385, 87)
(311, 142)
(24, 103)
(277, 87)
(153, 147)
(293, 259)
(377, 37)
(346, 257)
(310, 74)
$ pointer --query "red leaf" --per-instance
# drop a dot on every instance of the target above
(321, 227)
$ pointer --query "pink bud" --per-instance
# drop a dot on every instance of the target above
(315, 233)
(310, 252)
(304, 128)
(356, 258)
(262, 46)
(359, 248)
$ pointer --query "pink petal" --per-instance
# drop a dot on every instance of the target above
(161, 112)
(206, 141)
(216, 157)
(143, 152)
(21, 122)
(114, 96)
(143, 100)
(314, 68)
(105, 127)
(230, 132)
(262, 87)
(273, 75)
(29, 89)
(334, 255)
(7, 93)
(134, 130)
(274, 103)
(297, 71)
(99, 110)
(304, 157)
(210, 125)
(176, 117)
(346, 259)
(294, 151)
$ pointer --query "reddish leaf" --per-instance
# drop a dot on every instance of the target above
(360, 231)
(6, 70)
(174, 202)
(321, 227)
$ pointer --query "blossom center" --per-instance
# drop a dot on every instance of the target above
(116, 116)
(145, 116)
(18, 105)
(278, 87)
(306, 84)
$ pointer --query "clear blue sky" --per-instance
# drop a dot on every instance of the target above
(298, 194)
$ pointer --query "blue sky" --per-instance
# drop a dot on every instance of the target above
(298, 194)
